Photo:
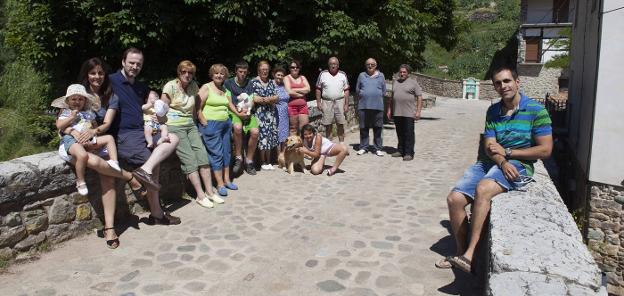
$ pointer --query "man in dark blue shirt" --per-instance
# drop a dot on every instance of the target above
(128, 130)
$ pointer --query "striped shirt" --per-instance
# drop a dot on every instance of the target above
(517, 131)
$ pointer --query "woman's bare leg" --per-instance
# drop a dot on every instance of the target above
(340, 152)
(303, 120)
(317, 165)
(204, 173)
(108, 203)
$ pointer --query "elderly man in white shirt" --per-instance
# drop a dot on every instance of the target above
(332, 98)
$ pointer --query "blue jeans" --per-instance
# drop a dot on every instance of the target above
(216, 136)
(489, 170)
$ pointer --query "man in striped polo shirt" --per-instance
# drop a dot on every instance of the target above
(517, 133)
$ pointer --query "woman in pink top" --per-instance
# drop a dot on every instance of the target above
(297, 87)
(319, 148)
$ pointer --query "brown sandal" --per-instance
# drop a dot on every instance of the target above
(462, 263)
(140, 192)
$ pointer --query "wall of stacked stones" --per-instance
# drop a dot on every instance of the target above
(39, 205)
(453, 88)
(535, 247)
(537, 80)
(605, 236)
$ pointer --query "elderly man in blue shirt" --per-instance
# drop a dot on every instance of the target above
(370, 89)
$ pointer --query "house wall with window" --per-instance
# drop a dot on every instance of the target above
(596, 131)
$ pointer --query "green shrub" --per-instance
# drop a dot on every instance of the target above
(25, 128)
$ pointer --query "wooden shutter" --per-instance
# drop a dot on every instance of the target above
(532, 51)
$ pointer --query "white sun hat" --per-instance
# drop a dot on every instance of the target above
(72, 90)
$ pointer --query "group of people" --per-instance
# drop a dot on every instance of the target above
(107, 118)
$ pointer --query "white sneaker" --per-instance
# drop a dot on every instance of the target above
(361, 151)
(271, 167)
(380, 153)
(215, 198)
(265, 167)
(82, 188)
(204, 202)
(114, 164)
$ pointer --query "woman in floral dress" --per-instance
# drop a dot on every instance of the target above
(265, 98)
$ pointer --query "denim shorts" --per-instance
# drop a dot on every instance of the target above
(482, 170)
(132, 147)
(67, 141)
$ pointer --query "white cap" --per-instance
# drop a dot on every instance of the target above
(160, 108)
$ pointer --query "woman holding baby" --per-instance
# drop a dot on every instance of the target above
(180, 95)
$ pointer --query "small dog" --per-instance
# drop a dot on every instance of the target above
(291, 157)
(244, 102)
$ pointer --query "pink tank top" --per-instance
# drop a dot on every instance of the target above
(298, 101)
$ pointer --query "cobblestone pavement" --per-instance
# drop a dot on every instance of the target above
(375, 229)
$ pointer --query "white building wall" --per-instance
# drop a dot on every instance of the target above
(607, 157)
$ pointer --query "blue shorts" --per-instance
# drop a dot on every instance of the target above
(132, 147)
(481, 170)
(67, 141)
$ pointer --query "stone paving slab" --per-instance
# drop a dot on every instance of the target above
(375, 229)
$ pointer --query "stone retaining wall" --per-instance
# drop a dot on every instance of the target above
(535, 81)
(536, 247)
(39, 205)
(605, 236)
(453, 88)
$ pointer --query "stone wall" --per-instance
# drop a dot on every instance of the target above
(536, 247)
(537, 80)
(453, 88)
(605, 236)
(39, 205)
(316, 115)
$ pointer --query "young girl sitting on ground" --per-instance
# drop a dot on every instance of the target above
(76, 114)
(318, 148)
(154, 106)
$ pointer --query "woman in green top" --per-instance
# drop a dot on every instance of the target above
(179, 94)
(215, 126)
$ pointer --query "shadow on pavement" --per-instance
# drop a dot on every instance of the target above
(464, 284)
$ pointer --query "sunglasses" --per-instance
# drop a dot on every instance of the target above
(371, 65)
(187, 72)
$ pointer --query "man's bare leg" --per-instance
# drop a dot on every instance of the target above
(153, 199)
(238, 139)
(341, 132)
(328, 131)
(486, 190)
(457, 203)
(252, 144)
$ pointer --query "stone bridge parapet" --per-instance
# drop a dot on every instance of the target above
(536, 247)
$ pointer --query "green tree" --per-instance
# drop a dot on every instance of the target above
(52, 38)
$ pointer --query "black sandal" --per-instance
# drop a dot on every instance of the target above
(140, 192)
(111, 243)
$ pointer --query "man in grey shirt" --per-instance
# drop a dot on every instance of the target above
(406, 103)
(370, 88)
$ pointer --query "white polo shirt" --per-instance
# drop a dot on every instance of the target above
(332, 86)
